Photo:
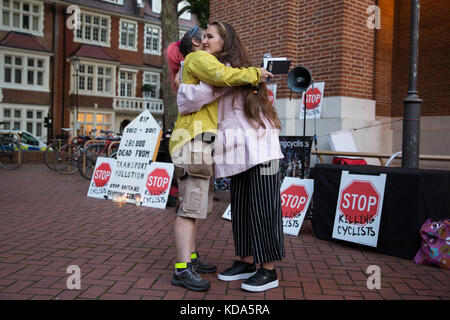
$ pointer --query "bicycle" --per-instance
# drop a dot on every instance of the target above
(50, 152)
(11, 154)
(66, 158)
(89, 155)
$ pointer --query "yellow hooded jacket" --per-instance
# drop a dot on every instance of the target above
(203, 66)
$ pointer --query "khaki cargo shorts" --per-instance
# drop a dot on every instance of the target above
(196, 189)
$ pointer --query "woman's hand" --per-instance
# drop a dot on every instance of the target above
(265, 74)
(177, 79)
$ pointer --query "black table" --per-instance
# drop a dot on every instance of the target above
(411, 197)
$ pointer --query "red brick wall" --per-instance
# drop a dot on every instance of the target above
(264, 26)
(331, 38)
(434, 58)
(357, 58)
(327, 36)
(26, 97)
(384, 59)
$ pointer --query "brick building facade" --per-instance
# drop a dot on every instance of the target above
(51, 62)
(365, 70)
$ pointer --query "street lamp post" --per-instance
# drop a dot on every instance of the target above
(76, 65)
(412, 102)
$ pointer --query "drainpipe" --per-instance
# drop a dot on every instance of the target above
(55, 68)
(63, 104)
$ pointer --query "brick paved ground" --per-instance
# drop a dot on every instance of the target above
(47, 224)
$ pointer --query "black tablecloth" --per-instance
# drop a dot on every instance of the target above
(411, 197)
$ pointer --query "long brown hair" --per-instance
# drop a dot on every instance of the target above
(233, 52)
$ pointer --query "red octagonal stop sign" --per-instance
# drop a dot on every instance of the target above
(293, 201)
(102, 175)
(313, 98)
(359, 202)
(271, 96)
(157, 181)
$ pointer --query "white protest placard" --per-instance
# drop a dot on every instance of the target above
(227, 213)
(358, 210)
(314, 101)
(156, 185)
(296, 195)
(101, 177)
(138, 148)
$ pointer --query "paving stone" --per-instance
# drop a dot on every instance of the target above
(128, 252)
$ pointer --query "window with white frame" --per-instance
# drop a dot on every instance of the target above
(93, 29)
(187, 14)
(156, 6)
(152, 39)
(128, 35)
(22, 117)
(94, 79)
(22, 15)
(24, 71)
(89, 120)
(127, 81)
(153, 80)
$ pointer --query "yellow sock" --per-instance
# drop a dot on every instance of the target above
(180, 265)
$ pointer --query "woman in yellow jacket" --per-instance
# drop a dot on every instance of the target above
(191, 146)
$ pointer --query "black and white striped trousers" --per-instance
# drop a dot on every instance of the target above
(256, 215)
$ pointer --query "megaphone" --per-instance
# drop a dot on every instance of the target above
(299, 79)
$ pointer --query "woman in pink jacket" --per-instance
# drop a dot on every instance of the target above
(247, 149)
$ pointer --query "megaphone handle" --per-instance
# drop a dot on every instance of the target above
(268, 79)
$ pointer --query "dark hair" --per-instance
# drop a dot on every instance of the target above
(177, 51)
(233, 52)
(186, 42)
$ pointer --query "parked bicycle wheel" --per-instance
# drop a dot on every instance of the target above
(88, 158)
(66, 159)
(51, 152)
(113, 154)
(11, 155)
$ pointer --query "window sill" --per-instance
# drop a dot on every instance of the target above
(155, 53)
(18, 87)
(128, 48)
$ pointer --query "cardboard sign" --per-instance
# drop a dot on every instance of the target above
(138, 148)
(156, 185)
(101, 177)
(227, 213)
(314, 101)
(358, 211)
(296, 195)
